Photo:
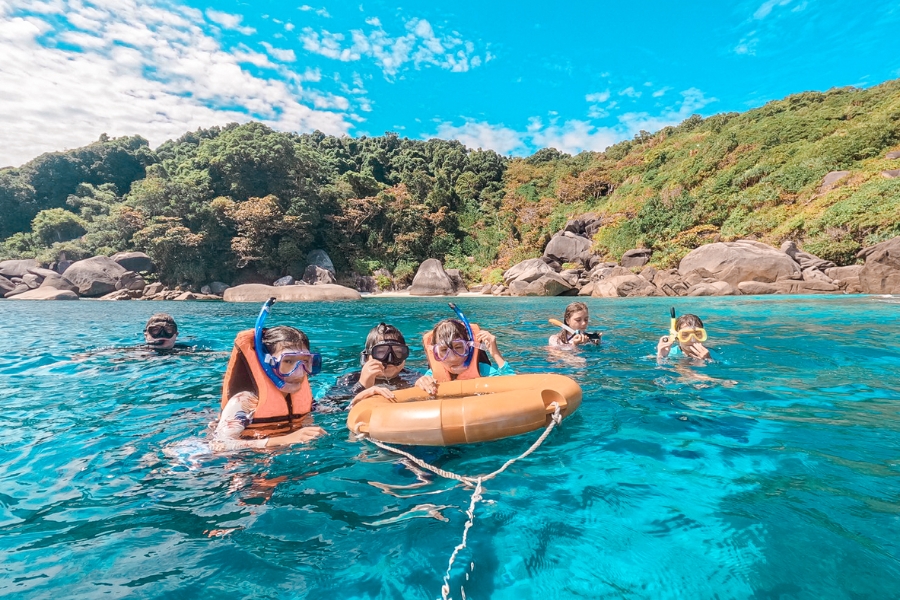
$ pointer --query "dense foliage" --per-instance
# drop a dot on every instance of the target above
(244, 201)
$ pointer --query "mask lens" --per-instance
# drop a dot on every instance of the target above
(290, 362)
(390, 353)
(161, 331)
(685, 335)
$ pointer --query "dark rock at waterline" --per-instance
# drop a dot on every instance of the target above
(550, 284)
(47, 293)
(218, 288)
(432, 280)
(17, 268)
(130, 281)
(134, 261)
(626, 285)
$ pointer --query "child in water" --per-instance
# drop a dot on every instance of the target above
(690, 335)
(293, 362)
(383, 364)
(577, 319)
(452, 354)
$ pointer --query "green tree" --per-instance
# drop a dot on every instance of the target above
(57, 225)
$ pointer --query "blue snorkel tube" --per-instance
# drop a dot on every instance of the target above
(465, 322)
(265, 360)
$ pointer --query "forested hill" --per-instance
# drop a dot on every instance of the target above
(242, 200)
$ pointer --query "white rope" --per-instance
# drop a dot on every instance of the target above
(469, 481)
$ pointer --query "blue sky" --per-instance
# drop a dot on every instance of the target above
(511, 76)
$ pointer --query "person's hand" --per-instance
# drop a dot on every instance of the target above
(301, 436)
(372, 391)
(664, 345)
(487, 340)
(579, 338)
(371, 371)
(697, 350)
(427, 383)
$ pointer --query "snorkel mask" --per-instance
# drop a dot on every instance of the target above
(465, 321)
(698, 334)
(268, 363)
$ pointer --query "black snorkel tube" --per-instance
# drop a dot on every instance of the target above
(465, 322)
(673, 331)
(265, 359)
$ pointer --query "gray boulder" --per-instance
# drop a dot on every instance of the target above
(846, 278)
(134, 261)
(95, 276)
(881, 273)
(218, 288)
(636, 258)
(62, 265)
(550, 284)
(286, 280)
(130, 281)
(117, 295)
(459, 286)
(816, 275)
(432, 280)
(670, 283)
(47, 293)
(41, 272)
(743, 260)
(256, 292)
(567, 247)
(6, 285)
(717, 288)
(59, 282)
(757, 288)
(366, 283)
(893, 155)
(571, 276)
(316, 275)
(20, 288)
(153, 289)
(527, 271)
(320, 259)
(17, 268)
(587, 289)
(830, 180)
(789, 286)
(891, 174)
(624, 286)
(32, 281)
(805, 259)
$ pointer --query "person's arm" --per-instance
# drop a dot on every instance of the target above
(664, 346)
(238, 414)
(488, 339)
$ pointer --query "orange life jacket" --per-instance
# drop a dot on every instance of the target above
(439, 371)
(277, 413)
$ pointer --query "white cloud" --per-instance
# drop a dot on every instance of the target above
(226, 20)
(597, 97)
(571, 136)
(766, 8)
(319, 11)
(420, 45)
(288, 26)
(630, 92)
(661, 92)
(280, 54)
(153, 70)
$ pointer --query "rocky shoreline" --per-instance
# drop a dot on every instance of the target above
(567, 268)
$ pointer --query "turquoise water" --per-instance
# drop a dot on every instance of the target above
(777, 478)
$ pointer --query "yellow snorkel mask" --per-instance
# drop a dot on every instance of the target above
(685, 335)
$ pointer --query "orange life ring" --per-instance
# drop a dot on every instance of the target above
(466, 411)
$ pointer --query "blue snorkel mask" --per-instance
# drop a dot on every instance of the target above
(311, 362)
(465, 322)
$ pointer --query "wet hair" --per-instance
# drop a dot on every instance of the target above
(383, 333)
(692, 321)
(161, 319)
(282, 336)
(448, 330)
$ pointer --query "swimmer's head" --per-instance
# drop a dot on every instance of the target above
(690, 331)
(385, 334)
(282, 340)
(576, 316)
(447, 334)
(161, 331)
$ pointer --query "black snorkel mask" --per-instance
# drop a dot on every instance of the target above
(468, 327)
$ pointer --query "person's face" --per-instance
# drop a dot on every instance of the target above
(692, 346)
(579, 320)
(155, 336)
(286, 360)
(453, 362)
